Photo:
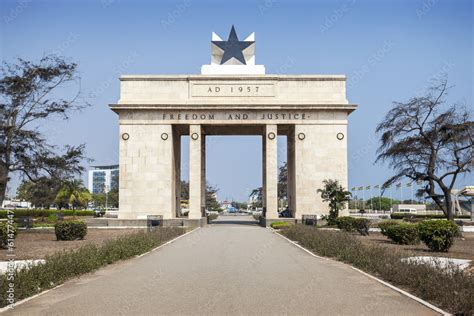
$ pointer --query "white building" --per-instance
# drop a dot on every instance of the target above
(409, 208)
(102, 177)
(13, 204)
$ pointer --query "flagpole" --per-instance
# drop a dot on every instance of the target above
(380, 198)
(371, 199)
(363, 198)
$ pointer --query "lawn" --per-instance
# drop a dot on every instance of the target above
(463, 248)
(37, 244)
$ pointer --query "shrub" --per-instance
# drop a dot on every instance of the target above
(362, 226)
(346, 223)
(386, 224)
(212, 216)
(350, 224)
(403, 234)
(422, 280)
(422, 216)
(7, 232)
(70, 230)
(65, 265)
(438, 235)
(45, 213)
(280, 225)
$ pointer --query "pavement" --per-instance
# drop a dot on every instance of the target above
(231, 267)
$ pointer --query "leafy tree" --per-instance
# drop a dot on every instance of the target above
(257, 193)
(283, 181)
(211, 198)
(74, 194)
(257, 196)
(184, 190)
(239, 205)
(40, 193)
(381, 203)
(427, 142)
(28, 96)
(336, 195)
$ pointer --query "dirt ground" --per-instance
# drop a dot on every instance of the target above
(463, 248)
(37, 244)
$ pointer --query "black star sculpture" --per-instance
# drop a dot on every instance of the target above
(232, 47)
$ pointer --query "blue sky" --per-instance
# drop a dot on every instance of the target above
(390, 50)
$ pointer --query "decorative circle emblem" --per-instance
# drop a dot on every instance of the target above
(125, 136)
(340, 136)
(271, 135)
(301, 136)
(194, 136)
(164, 136)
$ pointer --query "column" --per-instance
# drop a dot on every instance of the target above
(177, 171)
(270, 188)
(203, 174)
(290, 151)
(195, 171)
(264, 171)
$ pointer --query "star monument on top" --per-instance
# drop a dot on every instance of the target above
(232, 57)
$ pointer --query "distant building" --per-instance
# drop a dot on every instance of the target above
(13, 204)
(101, 177)
(408, 208)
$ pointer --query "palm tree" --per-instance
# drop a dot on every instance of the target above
(336, 195)
(73, 193)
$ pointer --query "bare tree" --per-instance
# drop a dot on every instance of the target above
(431, 143)
(29, 93)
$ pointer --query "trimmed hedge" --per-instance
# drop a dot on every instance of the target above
(280, 225)
(423, 280)
(423, 216)
(403, 234)
(212, 216)
(386, 224)
(345, 223)
(70, 230)
(45, 213)
(65, 265)
(350, 224)
(438, 235)
(7, 232)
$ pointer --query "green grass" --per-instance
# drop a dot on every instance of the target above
(280, 225)
(452, 291)
(65, 265)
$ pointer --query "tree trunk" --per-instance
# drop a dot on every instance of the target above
(448, 204)
(3, 181)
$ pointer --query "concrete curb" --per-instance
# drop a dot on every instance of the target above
(413, 297)
(11, 307)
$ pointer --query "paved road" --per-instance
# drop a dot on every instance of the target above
(228, 268)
